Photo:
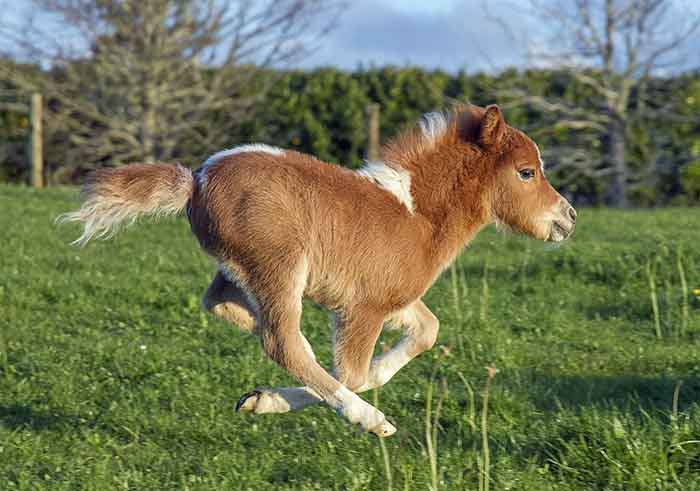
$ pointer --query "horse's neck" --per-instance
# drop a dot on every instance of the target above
(448, 188)
(453, 234)
(454, 205)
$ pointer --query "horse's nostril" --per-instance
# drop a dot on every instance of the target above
(572, 214)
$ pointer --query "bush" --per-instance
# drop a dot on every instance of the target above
(690, 182)
(643, 196)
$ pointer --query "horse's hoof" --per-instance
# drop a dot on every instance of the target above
(248, 401)
(383, 429)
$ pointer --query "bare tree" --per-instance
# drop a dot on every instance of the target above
(611, 47)
(157, 79)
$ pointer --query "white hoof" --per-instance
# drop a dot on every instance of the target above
(383, 429)
(260, 401)
(359, 412)
(248, 401)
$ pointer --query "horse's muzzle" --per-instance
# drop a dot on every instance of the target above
(564, 222)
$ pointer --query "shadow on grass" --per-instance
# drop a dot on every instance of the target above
(549, 392)
(17, 416)
(630, 309)
(600, 420)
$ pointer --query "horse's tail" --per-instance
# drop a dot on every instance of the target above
(112, 197)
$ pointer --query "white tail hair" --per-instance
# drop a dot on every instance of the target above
(116, 197)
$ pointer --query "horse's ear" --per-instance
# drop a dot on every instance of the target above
(493, 127)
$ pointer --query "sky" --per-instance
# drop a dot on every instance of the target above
(447, 34)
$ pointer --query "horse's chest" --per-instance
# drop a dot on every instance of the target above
(387, 288)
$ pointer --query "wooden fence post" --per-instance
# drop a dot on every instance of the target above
(372, 132)
(36, 142)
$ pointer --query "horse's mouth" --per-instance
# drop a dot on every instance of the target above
(560, 231)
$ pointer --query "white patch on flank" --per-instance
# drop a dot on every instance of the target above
(396, 181)
(433, 126)
(236, 280)
(255, 147)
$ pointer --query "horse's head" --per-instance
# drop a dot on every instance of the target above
(520, 196)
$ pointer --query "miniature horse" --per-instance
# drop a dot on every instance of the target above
(365, 244)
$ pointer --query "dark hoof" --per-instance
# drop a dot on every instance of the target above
(248, 401)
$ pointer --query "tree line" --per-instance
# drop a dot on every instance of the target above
(164, 80)
(323, 112)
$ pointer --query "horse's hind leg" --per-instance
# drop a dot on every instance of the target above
(279, 399)
(230, 302)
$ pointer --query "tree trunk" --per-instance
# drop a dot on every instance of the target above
(150, 125)
(373, 144)
(36, 148)
(614, 156)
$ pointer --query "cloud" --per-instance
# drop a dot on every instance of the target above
(455, 36)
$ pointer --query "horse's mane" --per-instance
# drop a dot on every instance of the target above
(460, 121)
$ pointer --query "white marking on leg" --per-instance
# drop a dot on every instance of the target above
(255, 147)
(386, 365)
(284, 399)
(307, 347)
(356, 410)
(395, 180)
(421, 326)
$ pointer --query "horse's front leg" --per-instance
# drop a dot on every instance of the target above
(355, 335)
(280, 314)
(421, 328)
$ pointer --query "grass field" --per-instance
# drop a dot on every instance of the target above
(111, 377)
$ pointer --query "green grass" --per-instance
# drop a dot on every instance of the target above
(111, 377)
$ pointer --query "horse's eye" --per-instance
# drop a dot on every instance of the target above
(526, 174)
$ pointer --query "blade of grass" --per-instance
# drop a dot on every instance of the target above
(684, 293)
(471, 416)
(651, 278)
(485, 451)
(484, 300)
(432, 458)
(384, 451)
